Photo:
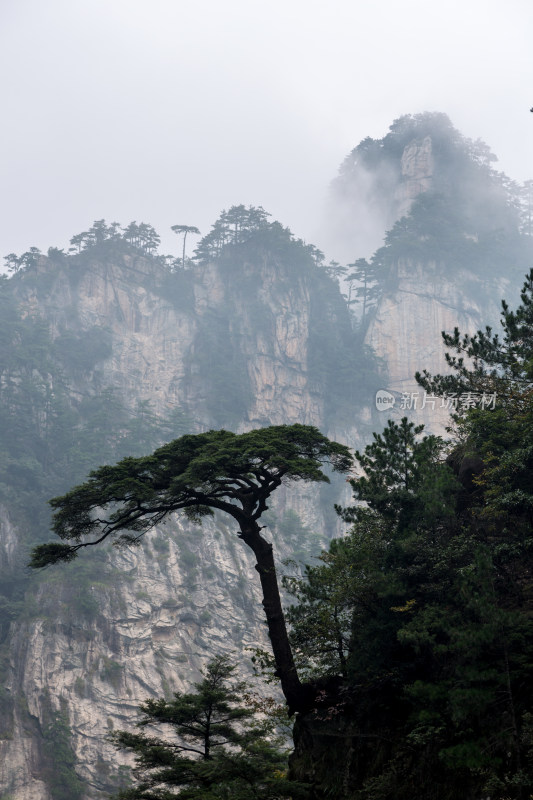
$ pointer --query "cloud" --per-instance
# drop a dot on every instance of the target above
(169, 112)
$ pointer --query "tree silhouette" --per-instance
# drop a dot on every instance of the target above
(199, 474)
(184, 229)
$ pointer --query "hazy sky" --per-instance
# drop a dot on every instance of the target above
(167, 111)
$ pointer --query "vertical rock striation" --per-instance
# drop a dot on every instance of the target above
(241, 344)
(98, 636)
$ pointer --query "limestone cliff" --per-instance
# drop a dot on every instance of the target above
(417, 166)
(455, 247)
(257, 336)
(97, 637)
(406, 332)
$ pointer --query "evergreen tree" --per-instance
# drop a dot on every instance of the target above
(488, 362)
(233, 227)
(434, 583)
(396, 482)
(214, 748)
(365, 276)
(217, 470)
(142, 236)
(185, 230)
(13, 262)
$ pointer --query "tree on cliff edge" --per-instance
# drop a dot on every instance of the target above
(184, 229)
(198, 474)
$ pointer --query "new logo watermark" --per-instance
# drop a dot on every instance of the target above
(384, 400)
(417, 401)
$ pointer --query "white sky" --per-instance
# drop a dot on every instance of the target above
(167, 111)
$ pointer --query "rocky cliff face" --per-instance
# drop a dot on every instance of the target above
(99, 636)
(145, 627)
(237, 345)
(406, 332)
(417, 166)
(453, 251)
(155, 341)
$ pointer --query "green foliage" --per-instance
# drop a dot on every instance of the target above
(497, 588)
(102, 241)
(27, 260)
(397, 483)
(404, 495)
(52, 553)
(320, 621)
(488, 362)
(142, 236)
(440, 229)
(340, 365)
(367, 279)
(197, 473)
(217, 470)
(139, 236)
(185, 230)
(213, 747)
(233, 227)
(425, 607)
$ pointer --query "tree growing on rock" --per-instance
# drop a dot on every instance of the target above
(198, 474)
(184, 229)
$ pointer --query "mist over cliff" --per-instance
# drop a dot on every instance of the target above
(460, 195)
(111, 350)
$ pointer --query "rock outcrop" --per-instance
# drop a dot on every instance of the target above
(406, 332)
(231, 346)
(417, 166)
(99, 636)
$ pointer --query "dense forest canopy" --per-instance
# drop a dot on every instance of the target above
(424, 609)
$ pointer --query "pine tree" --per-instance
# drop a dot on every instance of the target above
(435, 639)
(213, 747)
(185, 230)
(198, 474)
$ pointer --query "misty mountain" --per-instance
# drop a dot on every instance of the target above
(111, 349)
(427, 188)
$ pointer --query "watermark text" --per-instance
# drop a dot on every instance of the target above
(417, 401)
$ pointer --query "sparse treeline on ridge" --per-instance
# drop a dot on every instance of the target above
(235, 226)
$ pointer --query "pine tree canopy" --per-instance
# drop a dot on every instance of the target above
(198, 474)
(213, 746)
(221, 470)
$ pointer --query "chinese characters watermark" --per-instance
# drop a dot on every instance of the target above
(417, 401)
